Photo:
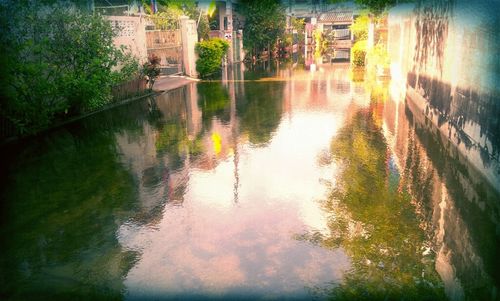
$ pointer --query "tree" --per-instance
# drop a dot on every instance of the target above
(373, 217)
(299, 24)
(169, 12)
(213, 100)
(167, 16)
(374, 6)
(260, 111)
(210, 54)
(265, 22)
(58, 62)
(358, 53)
(360, 27)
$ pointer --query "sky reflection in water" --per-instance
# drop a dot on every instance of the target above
(231, 238)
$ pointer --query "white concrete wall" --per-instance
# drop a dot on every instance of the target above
(450, 71)
(131, 33)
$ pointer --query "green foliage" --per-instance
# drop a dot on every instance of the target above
(212, 7)
(299, 25)
(265, 23)
(173, 139)
(372, 217)
(374, 6)
(168, 14)
(379, 56)
(191, 10)
(203, 27)
(287, 39)
(260, 111)
(213, 100)
(210, 54)
(360, 27)
(80, 220)
(166, 19)
(358, 53)
(320, 43)
(360, 31)
(128, 67)
(182, 4)
(58, 62)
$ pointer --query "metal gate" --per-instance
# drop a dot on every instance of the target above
(167, 45)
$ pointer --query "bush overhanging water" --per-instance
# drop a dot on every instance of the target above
(210, 54)
(58, 62)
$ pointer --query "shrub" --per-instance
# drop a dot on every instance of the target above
(151, 70)
(265, 23)
(299, 24)
(288, 40)
(358, 54)
(379, 56)
(210, 54)
(360, 27)
(58, 62)
(166, 19)
(321, 44)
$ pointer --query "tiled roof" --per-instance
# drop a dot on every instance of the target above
(336, 16)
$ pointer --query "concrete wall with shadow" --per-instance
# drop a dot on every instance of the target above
(445, 54)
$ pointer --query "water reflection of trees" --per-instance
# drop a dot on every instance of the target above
(213, 100)
(260, 109)
(172, 141)
(373, 219)
(66, 196)
(59, 238)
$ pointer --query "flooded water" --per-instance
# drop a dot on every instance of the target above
(287, 184)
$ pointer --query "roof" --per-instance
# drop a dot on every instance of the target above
(336, 16)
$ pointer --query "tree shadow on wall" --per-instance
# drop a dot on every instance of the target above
(432, 25)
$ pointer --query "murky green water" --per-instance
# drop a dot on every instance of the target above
(298, 186)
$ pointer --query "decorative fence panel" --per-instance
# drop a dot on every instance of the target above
(167, 45)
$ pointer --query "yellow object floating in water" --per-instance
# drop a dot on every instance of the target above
(216, 139)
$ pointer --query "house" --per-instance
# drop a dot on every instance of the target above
(335, 26)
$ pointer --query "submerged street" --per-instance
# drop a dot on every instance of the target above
(275, 183)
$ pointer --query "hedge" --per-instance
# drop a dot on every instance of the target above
(358, 53)
(210, 54)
